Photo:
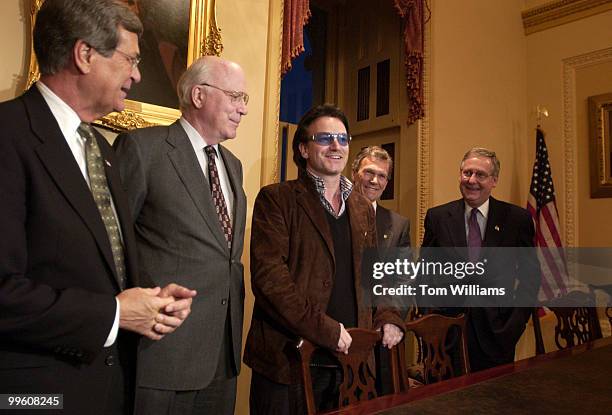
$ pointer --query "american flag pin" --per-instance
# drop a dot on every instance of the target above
(107, 163)
(497, 228)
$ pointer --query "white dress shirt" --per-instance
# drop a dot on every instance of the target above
(69, 121)
(198, 143)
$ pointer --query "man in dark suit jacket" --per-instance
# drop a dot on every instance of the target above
(307, 241)
(174, 200)
(371, 170)
(66, 296)
(492, 332)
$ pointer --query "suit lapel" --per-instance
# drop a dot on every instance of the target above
(188, 169)
(123, 215)
(239, 213)
(456, 223)
(59, 161)
(308, 198)
(383, 227)
(495, 222)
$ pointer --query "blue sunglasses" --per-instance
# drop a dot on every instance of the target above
(325, 139)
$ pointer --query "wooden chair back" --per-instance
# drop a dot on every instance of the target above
(432, 332)
(358, 381)
(575, 325)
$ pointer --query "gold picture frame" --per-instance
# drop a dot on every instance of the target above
(204, 39)
(600, 132)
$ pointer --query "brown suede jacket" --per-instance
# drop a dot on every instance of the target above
(292, 269)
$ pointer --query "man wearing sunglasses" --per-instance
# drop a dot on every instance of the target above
(307, 239)
(476, 221)
(189, 208)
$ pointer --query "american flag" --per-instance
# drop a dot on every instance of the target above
(543, 208)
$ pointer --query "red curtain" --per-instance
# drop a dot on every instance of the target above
(295, 16)
(412, 13)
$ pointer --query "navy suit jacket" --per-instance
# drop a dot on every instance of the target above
(492, 331)
(57, 277)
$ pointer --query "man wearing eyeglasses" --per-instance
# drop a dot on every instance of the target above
(476, 221)
(69, 299)
(189, 207)
(371, 169)
(307, 240)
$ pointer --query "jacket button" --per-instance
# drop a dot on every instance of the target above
(224, 301)
(326, 283)
(110, 360)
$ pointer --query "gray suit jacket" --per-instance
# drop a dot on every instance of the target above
(393, 230)
(180, 240)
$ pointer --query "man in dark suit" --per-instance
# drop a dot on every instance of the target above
(67, 252)
(481, 221)
(307, 241)
(189, 207)
(371, 170)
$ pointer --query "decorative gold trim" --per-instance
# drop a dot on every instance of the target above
(270, 161)
(559, 12)
(570, 65)
(204, 39)
(600, 107)
(206, 33)
(424, 200)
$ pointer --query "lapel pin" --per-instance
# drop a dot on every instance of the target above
(497, 228)
(385, 236)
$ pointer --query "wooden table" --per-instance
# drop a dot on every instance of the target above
(576, 381)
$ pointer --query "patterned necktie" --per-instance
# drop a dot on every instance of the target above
(474, 236)
(102, 197)
(217, 195)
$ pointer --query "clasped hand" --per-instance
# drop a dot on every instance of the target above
(155, 312)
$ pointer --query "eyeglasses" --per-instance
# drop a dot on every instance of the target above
(235, 96)
(369, 175)
(325, 139)
(480, 176)
(133, 60)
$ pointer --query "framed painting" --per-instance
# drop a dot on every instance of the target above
(600, 131)
(176, 32)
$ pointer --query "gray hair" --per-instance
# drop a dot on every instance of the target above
(61, 23)
(483, 152)
(198, 73)
(374, 152)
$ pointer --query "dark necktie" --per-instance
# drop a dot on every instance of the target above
(217, 195)
(102, 197)
(474, 237)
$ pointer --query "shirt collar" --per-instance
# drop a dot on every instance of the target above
(66, 117)
(345, 185)
(197, 141)
(483, 209)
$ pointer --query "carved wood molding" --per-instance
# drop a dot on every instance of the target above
(559, 12)
(570, 65)
(424, 141)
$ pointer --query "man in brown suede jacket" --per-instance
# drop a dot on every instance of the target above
(307, 239)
